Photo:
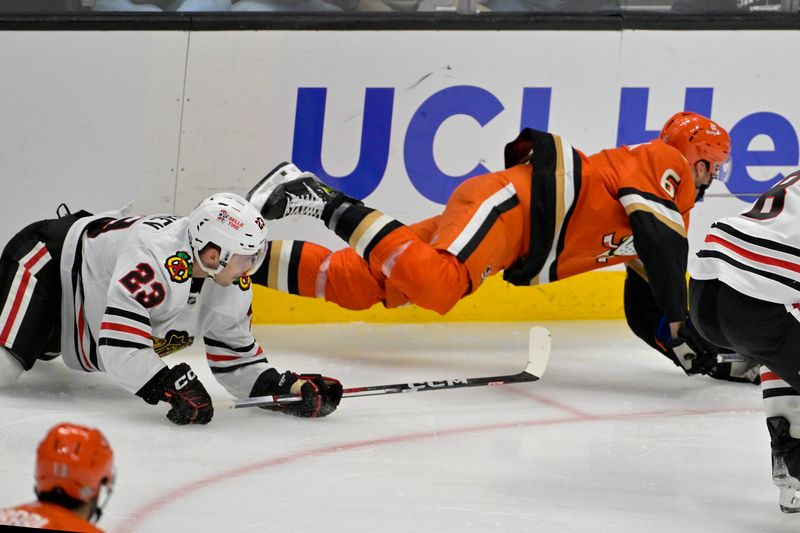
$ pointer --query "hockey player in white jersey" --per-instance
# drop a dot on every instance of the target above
(138, 288)
(744, 294)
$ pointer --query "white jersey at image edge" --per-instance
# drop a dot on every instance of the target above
(757, 252)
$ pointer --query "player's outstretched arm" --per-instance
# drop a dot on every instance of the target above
(685, 347)
(320, 394)
(180, 387)
(644, 318)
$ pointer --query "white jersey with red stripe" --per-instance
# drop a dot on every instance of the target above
(129, 297)
(758, 252)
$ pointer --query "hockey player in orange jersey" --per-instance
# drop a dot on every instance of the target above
(554, 212)
(74, 477)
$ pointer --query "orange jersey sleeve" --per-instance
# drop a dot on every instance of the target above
(633, 203)
(657, 197)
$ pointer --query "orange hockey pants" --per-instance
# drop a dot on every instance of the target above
(485, 228)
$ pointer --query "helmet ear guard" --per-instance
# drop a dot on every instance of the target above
(230, 223)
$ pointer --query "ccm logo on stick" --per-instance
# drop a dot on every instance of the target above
(436, 384)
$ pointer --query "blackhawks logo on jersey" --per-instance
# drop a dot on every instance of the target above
(624, 246)
(243, 282)
(179, 267)
(172, 342)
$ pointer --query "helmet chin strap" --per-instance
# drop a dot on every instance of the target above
(96, 514)
(97, 505)
(211, 272)
(701, 191)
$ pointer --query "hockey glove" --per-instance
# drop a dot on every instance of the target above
(320, 394)
(744, 370)
(179, 386)
(689, 350)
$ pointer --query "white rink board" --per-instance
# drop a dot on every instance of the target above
(90, 119)
(98, 119)
(258, 118)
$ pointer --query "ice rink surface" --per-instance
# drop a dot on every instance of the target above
(614, 438)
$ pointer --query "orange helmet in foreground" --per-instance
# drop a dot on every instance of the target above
(699, 139)
(75, 460)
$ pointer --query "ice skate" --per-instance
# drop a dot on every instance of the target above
(785, 463)
(301, 194)
(787, 484)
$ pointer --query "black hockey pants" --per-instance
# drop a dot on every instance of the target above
(763, 331)
(30, 290)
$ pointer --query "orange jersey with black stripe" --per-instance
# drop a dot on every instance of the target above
(651, 178)
(41, 515)
(611, 207)
(581, 208)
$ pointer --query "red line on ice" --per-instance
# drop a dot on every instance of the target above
(144, 512)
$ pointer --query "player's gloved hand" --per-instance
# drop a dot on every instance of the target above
(179, 386)
(330, 389)
(689, 349)
(320, 394)
(190, 401)
(739, 368)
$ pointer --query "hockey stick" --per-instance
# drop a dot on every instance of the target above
(538, 357)
(731, 358)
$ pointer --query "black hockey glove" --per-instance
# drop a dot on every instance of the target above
(321, 394)
(689, 349)
(739, 368)
(179, 386)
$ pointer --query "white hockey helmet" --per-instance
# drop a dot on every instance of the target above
(229, 222)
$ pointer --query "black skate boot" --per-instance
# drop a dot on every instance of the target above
(305, 195)
(785, 463)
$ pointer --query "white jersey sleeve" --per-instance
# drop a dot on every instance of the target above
(234, 356)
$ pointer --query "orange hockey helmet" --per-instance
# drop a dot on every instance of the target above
(76, 460)
(699, 139)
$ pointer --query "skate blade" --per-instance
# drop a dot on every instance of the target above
(286, 171)
(793, 507)
(788, 500)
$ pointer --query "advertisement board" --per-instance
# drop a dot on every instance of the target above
(397, 118)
